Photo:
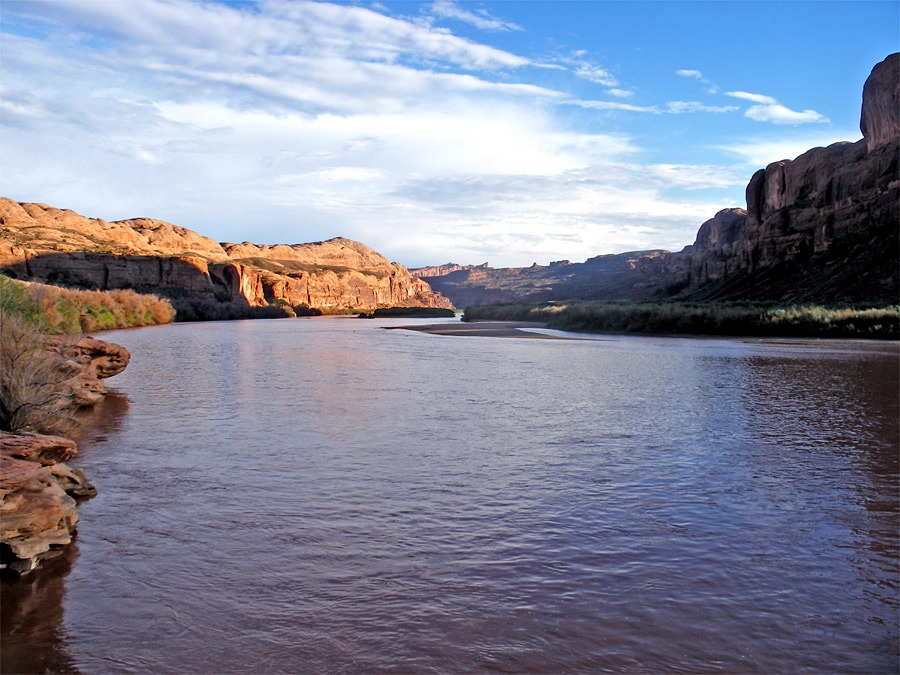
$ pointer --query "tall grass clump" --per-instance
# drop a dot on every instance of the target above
(61, 310)
(725, 318)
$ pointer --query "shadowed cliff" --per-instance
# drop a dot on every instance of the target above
(824, 227)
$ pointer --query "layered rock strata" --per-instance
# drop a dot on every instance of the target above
(42, 243)
(441, 270)
(38, 514)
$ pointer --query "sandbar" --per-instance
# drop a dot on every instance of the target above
(506, 329)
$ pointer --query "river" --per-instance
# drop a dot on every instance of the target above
(322, 495)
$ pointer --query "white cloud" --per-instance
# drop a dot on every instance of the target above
(695, 106)
(450, 10)
(697, 75)
(770, 110)
(611, 105)
(300, 121)
(755, 98)
(778, 114)
(596, 74)
(348, 173)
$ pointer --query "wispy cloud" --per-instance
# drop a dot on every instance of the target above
(755, 98)
(596, 74)
(678, 107)
(447, 9)
(712, 88)
(611, 105)
(767, 109)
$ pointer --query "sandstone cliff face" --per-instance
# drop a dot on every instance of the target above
(821, 227)
(40, 243)
(333, 275)
(42, 227)
(879, 121)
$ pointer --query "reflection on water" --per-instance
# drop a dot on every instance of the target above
(323, 495)
(33, 638)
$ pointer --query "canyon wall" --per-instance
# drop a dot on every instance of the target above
(42, 243)
(824, 227)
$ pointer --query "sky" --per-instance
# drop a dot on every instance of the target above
(503, 132)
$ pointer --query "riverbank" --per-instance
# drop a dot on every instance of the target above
(745, 319)
(45, 379)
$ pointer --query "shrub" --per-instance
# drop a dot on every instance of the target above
(63, 310)
(30, 379)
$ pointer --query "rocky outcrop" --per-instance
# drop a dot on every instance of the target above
(41, 227)
(37, 488)
(38, 511)
(41, 243)
(90, 362)
(624, 276)
(879, 120)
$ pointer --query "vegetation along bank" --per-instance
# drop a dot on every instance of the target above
(757, 319)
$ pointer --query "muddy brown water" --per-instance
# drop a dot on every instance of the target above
(321, 495)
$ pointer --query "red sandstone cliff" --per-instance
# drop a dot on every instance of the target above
(41, 243)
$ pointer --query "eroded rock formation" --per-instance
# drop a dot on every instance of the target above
(441, 270)
(89, 362)
(824, 226)
(38, 512)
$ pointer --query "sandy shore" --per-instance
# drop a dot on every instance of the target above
(507, 329)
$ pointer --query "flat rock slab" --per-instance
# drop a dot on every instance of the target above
(507, 329)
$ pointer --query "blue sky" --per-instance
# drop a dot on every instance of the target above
(509, 132)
